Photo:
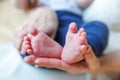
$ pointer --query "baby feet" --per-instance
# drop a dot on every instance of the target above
(76, 45)
(40, 45)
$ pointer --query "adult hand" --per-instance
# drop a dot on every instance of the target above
(21, 31)
(90, 64)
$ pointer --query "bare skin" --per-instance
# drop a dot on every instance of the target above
(20, 32)
(73, 50)
(75, 44)
(41, 45)
(90, 64)
(84, 3)
(43, 19)
(107, 64)
(25, 5)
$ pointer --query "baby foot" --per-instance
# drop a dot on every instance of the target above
(76, 45)
(40, 45)
(71, 32)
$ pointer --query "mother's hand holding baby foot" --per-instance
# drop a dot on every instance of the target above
(75, 39)
(89, 64)
(21, 32)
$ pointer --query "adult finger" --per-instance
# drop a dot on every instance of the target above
(23, 49)
(76, 68)
(91, 59)
(18, 36)
(30, 59)
(51, 63)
